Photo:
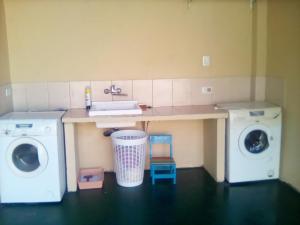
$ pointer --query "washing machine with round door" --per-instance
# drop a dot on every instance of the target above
(32, 159)
(253, 141)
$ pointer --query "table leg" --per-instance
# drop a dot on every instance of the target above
(71, 157)
(214, 148)
(220, 150)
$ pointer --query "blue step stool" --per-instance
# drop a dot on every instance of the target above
(162, 167)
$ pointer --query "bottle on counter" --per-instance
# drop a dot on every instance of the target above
(88, 97)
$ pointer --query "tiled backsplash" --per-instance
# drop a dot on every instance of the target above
(5, 99)
(164, 92)
(275, 90)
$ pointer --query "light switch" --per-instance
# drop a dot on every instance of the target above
(207, 90)
(206, 60)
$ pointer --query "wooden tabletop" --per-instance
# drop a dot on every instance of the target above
(152, 114)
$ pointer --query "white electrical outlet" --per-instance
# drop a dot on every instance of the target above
(206, 60)
(7, 92)
(207, 90)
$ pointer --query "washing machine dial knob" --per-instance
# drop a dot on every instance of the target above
(47, 130)
(7, 132)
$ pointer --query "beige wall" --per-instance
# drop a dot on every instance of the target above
(96, 150)
(259, 50)
(4, 65)
(53, 40)
(260, 39)
(283, 71)
(5, 101)
(105, 40)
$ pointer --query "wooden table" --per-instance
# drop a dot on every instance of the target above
(214, 135)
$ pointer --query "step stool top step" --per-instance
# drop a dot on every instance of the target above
(162, 160)
(160, 139)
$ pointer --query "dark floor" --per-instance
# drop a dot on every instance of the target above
(196, 199)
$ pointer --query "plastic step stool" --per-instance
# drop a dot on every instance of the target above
(162, 167)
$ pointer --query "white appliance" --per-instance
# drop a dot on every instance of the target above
(253, 141)
(32, 158)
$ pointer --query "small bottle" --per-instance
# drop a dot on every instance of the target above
(88, 99)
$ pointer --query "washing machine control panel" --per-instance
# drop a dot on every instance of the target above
(5, 130)
(255, 115)
(28, 129)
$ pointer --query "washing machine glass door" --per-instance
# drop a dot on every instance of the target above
(27, 157)
(255, 141)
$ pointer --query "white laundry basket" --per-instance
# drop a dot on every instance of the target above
(129, 152)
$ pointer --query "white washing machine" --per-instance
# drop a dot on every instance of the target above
(32, 158)
(253, 141)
